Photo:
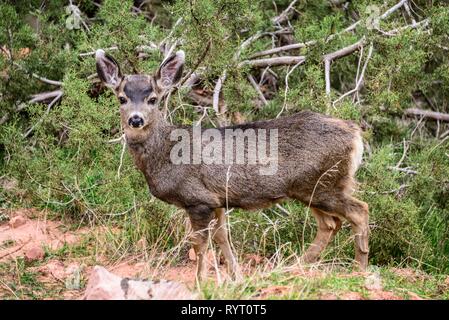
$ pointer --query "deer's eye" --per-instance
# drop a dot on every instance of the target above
(152, 100)
(122, 100)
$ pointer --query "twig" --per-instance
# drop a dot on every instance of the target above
(328, 58)
(394, 32)
(91, 53)
(121, 156)
(401, 187)
(117, 140)
(404, 154)
(284, 14)
(409, 12)
(394, 8)
(360, 79)
(283, 48)
(257, 88)
(433, 115)
(444, 134)
(35, 98)
(197, 64)
(277, 61)
(56, 99)
(216, 96)
(202, 116)
(405, 170)
(286, 88)
(45, 80)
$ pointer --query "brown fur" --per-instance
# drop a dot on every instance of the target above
(316, 163)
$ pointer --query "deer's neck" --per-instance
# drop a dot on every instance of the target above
(151, 151)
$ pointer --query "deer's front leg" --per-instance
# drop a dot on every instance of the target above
(220, 235)
(200, 218)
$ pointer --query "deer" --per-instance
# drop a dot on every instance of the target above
(318, 156)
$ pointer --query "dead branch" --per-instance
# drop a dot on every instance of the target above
(216, 97)
(332, 36)
(276, 61)
(433, 115)
(257, 88)
(40, 97)
(360, 79)
(393, 9)
(286, 88)
(405, 170)
(45, 80)
(409, 12)
(328, 58)
(56, 99)
(197, 64)
(284, 14)
(391, 33)
(92, 53)
(122, 154)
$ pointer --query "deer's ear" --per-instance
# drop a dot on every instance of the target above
(170, 71)
(108, 69)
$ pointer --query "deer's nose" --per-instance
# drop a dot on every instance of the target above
(136, 121)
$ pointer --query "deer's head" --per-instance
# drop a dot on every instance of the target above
(139, 95)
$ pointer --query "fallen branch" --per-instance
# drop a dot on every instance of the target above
(433, 115)
(283, 48)
(328, 58)
(216, 97)
(276, 61)
(360, 79)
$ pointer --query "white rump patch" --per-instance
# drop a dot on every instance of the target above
(356, 154)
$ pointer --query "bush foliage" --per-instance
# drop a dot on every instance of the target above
(65, 163)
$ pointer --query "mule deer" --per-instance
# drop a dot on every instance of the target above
(317, 159)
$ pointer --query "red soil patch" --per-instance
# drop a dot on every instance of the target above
(17, 238)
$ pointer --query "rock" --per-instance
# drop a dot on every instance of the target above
(373, 282)
(34, 253)
(17, 221)
(103, 285)
(73, 276)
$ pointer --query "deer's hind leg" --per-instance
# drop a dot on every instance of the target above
(221, 237)
(328, 226)
(356, 213)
